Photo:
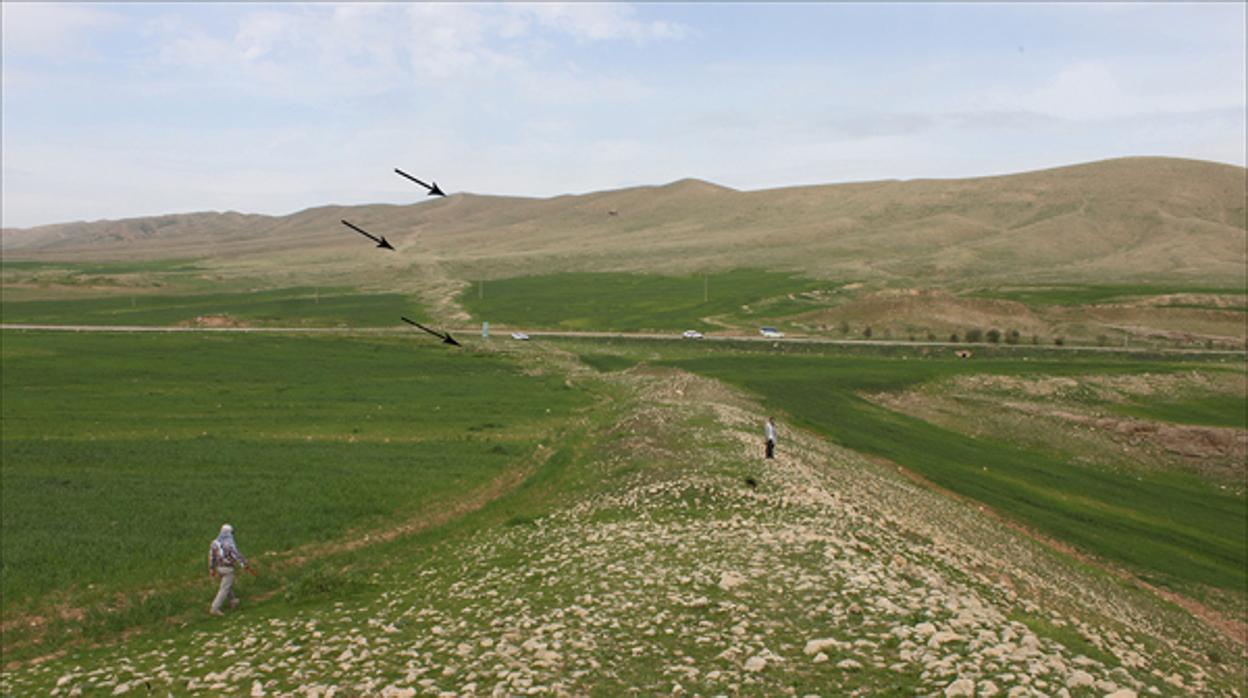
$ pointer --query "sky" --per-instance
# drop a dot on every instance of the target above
(124, 110)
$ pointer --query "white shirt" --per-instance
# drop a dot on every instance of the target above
(771, 431)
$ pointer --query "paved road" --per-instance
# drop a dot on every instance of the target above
(505, 336)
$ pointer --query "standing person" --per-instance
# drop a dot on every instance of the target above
(770, 429)
(223, 557)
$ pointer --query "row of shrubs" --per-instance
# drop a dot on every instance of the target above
(976, 335)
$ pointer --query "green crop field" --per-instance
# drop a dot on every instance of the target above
(285, 307)
(122, 454)
(1206, 410)
(630, 302)
(1074, 295)
(1172, 527)
(85, 268)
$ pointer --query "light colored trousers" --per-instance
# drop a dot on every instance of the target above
(226, 590)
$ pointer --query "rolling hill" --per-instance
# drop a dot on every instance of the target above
(1132, 219)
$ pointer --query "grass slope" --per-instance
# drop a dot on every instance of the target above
(122, 454)
(1173, 528)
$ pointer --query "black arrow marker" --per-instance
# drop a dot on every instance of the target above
(381, 241)
(433, 188)
(446, 338)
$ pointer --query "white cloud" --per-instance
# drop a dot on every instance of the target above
(599, 21)
(1091, 90)
(51, 30)
(373, 48)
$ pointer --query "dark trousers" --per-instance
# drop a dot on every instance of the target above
(771, 448)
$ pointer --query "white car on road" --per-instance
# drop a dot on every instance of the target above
(771, 333)
(692, 334)
(520, 336)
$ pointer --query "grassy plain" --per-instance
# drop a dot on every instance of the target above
(633, 302)
(122, 454)
(1206, 410)
(285, 307)
(1076, 294)
(1173, 528)
(613, 554)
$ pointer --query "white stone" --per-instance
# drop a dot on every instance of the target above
(961, 687)
(942, 637)
(755, 664)
(1079, 679)
(820, 658)
(821, 644)
(849, 664)
(1122, 693)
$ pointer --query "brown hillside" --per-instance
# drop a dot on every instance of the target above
(1133, 219)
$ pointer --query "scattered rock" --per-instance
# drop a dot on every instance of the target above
(1079, 679)
(960, 687)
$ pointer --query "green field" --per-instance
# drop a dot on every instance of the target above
(1206, 410)
(70, 269)
(634, 302)
(284, 307)
(1173, 528)
(1075, 294)
(122, 454)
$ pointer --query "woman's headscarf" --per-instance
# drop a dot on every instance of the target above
(225, 539)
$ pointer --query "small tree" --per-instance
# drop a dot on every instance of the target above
(844, 328)
(994, 336)
(1059, 341)
(953, 337)
(1102, 340)
(974, 335)
(1035, 340)
(931, 336)
(1011, 337)
(866, 333)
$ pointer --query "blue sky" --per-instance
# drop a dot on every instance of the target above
(112, 111)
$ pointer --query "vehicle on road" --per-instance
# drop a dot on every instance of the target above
(771, 333)
(520, 336)
(692, 334)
